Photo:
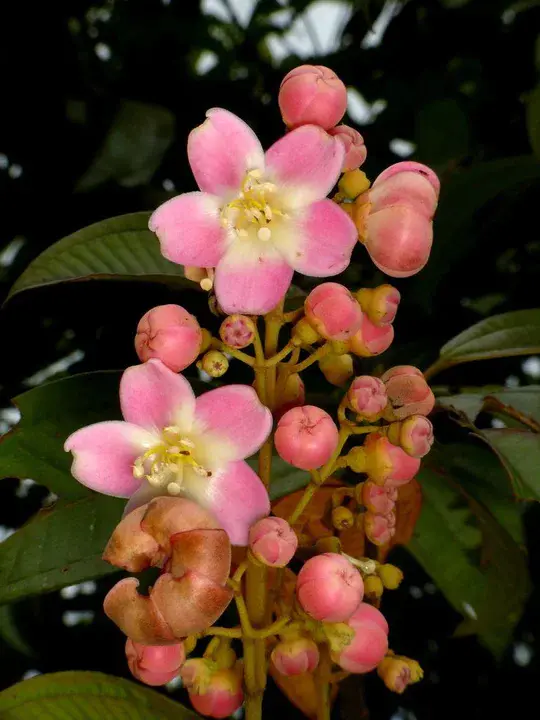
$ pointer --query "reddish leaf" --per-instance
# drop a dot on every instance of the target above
(408, 509)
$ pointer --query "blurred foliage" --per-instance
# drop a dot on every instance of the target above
(98, 102)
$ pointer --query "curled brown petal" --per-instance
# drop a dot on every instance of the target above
(205, 552)
(131, 548)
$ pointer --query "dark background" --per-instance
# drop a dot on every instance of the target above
(97, 103)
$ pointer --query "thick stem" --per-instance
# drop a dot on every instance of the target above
(322, 682)
(317, 355)
(304, 501)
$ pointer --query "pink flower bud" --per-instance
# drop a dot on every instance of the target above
(380, 304)
(306, 437)
(273, 541)
(293, 395)
(387, 464)
(398, 240)
(154, 664)
(333, 311)
(367, 396)
(355, 149)
(377, 499)
(371, 340)
(329, 588)
(296, 656)
(409, 189)
(222, 695)
(170, 334)
(312, 95)
(414, 435)
(369, 644)
(408, 393)
(379, 528)
(409, 166)
(237, 331)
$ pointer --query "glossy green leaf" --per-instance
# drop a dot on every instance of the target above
(87, 696)
(523, 401)
(58, 547)
(519, 451)
(118, 248)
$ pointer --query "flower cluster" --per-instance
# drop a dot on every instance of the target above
(180, 460)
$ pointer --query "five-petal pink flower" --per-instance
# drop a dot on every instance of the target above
(259, 216)
(172, 443)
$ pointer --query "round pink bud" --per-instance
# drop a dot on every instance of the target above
(380, 529)
(410, 166)
(237, 331)
(408, 393)
(405, 188)
(377, 499)
(387, 464)
(306, 437)
(296, 656)
(154, 664)
(312, 95)
(329, 588)
(355, 149)
(273, 541)
(371, 340)
(222, 695)
(416, 436)
(380, 304)
(332, 310)
(170, 334)
(369, 644)
(398, 240)
(367, 396)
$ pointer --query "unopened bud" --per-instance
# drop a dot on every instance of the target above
(237, 331)
(371, 339)
(355, 148)
(397, 674)
(390, 575)
(170, 334)
(304, 334)
(380, 303)
(214, 363)
(373, 588)
(379, 529)
(337, 369)
(333, 312)
(306, 437)
(367, 397)
(414, 435)
(314, 95)
(329, 544)
(353, 183)
(342, 518)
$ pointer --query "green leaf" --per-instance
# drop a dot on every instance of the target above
(10, 631)
(134, 146)
(533, 120)
(523, 400)
(58, 547)
(49, 413)
(441, 132)
(519, 451)
(476, 558)
(118, 248)
(286, 479)
(87, 696)
(513, 333)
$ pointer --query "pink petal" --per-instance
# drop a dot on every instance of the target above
(235, 414)
(235, 496)
(324, 243)
(104, 453)
(305, 164)
(251, 278)
(189, 229)
(221, 151)
(153, 396)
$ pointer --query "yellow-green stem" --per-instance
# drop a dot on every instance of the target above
(304, 501)
(317, 355)
(322, 683)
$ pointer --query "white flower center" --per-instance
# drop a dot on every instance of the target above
(256, 209)
(163, 464)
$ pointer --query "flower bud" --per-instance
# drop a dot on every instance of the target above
(312, 95)
(373, 588)
(367, 396)
(304, 333)
(384, 463)
(222, 695)
(408, 393)
(371, 340)
(337, 369)
(398, 672)
(170, 334)
(306, 437)
(293, 394)
(406, 189)
(196, 673)
(342, 518)
(355, 148)
(333, 311)
(390, 575)
(295, 656)
(154, 664)
(237, 331)
(410, 166)
(414, 435)
(272, 541)
(214, 363)
(329, 588)
(377, 499)
(379, 529)
(380, 304)
(369, 643)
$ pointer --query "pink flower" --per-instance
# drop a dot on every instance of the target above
(258, 216)
(329, 588)
(295, 656)
(273, 542)
(306, 437)
(369, 644)
(333, 311)
(154, 664)
(312, 94)
(170, 334)
(355, 149)
(172, 443)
